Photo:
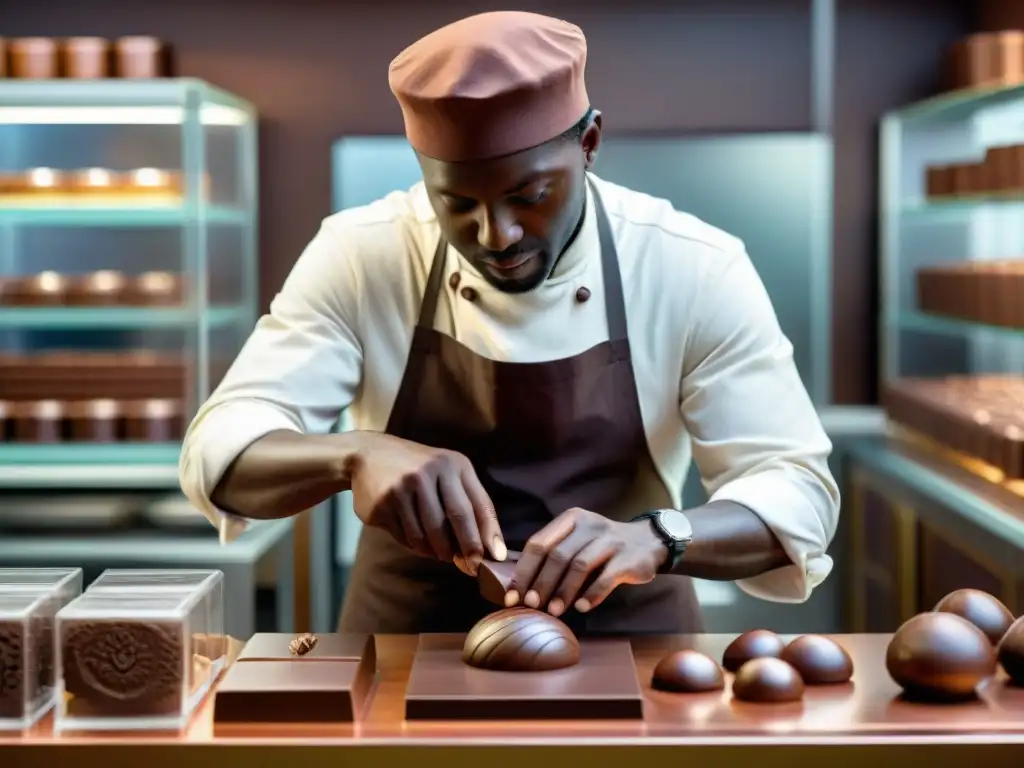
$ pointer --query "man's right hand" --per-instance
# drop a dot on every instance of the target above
(427, 498)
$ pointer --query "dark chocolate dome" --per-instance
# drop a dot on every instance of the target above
(819, 660)
(981, 609)
(520, 640)
(939, 656)
(688, 671)
(767, 680)
(756, 644)
(1011, 652)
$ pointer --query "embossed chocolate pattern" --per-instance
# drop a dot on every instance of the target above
(767, 680)
(981, 609)
(1011, 652)
(520, 640)
(121, 665)
(11, 672)
(939, 657)
(819, 660)
(688, 671)
(755, 644)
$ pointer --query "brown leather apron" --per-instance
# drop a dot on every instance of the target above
(543, 437)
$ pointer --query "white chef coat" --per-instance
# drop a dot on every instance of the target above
(714, 372)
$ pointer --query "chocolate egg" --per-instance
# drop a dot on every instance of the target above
(756, 644)
(767, 680)
(939, 657)
(819, 660)
(1011, 652)
(981, 609)
(688, 671)
(520, 640)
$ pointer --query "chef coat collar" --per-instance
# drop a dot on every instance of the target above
(587, 245)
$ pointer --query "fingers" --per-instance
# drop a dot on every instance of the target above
(535, 553)
(432, 517)
(458, 509)
(485, 513)
(554, 570)
(585, 570)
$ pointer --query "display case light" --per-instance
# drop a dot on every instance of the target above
(209, 114)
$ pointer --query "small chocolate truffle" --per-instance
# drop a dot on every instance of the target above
(756, 644)
(688, 671)
(767, 680)
(819, 660)
(939, 657)
(981, 609)
(520, 640)
(1011, 652)
(302, 645)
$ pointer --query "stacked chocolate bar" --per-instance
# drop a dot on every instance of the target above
(979, 416)
(999, 172)
(989, 292)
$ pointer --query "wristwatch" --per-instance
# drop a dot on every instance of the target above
(674, 529)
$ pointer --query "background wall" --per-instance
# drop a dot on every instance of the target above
(316, 69)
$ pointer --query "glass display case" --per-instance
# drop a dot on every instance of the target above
(952, 279)
(128, 267)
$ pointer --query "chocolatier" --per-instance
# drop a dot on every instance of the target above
(503, 399)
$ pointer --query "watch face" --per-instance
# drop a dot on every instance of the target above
(675, 524)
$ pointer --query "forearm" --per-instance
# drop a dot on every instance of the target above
(285, 473)
(730, 542)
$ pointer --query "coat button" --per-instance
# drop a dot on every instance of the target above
(453, 281)
(582, 294)
(469, 294)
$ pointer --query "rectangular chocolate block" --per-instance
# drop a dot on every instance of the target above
(275, 646)
(303, 691)
(603, 686)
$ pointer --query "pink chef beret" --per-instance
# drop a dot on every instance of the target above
(490, 85)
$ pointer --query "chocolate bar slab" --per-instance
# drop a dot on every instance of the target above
(602, 686)
(321, 691)
(273, 646)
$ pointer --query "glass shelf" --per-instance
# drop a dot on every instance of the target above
(89, 453)
(109, 216)
(922, 321)
(115, 317)
(958, 105)
(118, 102)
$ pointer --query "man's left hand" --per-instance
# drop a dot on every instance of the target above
(579, 558)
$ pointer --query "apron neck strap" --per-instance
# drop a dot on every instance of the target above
(614, 303)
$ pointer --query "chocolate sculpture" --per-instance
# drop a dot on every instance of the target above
(819, 660)
(981, 609)
(688, 671)
(1010, 652)
(939, 657)
(767, 680)
(755, 644)
(520, 640)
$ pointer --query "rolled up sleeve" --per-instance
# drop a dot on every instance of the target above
(757, 440)
(298, 370)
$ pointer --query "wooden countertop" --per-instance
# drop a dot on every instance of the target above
(845, 725)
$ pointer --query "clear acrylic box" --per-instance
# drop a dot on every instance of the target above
(27, 680)
(132, 661)
(210, 643)
(65, 583)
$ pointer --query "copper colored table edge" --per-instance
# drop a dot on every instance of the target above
(383, 736)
